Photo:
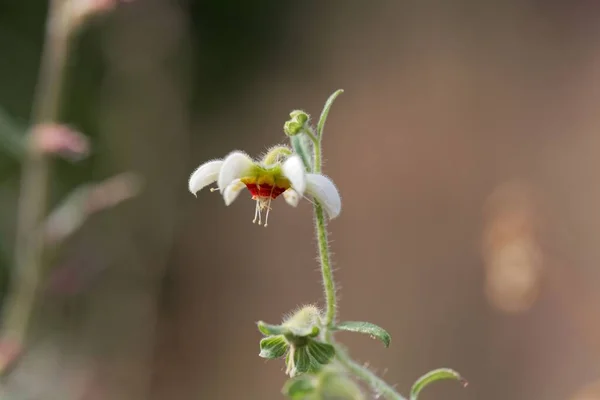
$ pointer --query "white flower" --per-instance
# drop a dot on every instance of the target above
(266, 180)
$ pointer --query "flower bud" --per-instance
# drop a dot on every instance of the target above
(297, 123)
(300, 116)
(337, 385)
(304, 322)
(297, 339)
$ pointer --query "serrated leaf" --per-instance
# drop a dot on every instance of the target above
(299, 388)
(432, 376)
(325, 112)
(367, 328)
(268, 329)
(322, 353)
(273, 347)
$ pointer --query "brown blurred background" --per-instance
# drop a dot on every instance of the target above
(466, 149)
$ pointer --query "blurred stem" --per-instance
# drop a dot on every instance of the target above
(321, 231)
(34, 181)
(363, 373)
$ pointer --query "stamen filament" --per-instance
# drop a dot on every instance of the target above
(256, 212)
(268, 209)
(269, 205)
(259, 206)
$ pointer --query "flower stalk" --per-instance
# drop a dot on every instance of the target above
(326, 270)
(323, 243)
(353, 367)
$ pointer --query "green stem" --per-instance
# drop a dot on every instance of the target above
(343, 358)
(366, 375)
(321, 231)
(275, 154)
(34, 183)
(326, 271)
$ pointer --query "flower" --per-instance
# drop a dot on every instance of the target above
(280, 172)
(300, 339)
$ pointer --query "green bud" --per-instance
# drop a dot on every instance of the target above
(331, 383)
(297, 123)
(336, 385)
(299, 116)
(301, 387)
(298, 339)
(292, 128)
(304, 322)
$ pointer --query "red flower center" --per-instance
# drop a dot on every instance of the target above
(264, 190)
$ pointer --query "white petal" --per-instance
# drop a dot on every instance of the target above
(324, 191)
(232, 191)
(291, 197)
(235, 166)
(293, 169)
(206, 174)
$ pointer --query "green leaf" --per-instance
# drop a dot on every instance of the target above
(268, 329)
(325, 112)
(322, 353)
(432, 376)
(273, 347)
(366, 327)
(299, 388)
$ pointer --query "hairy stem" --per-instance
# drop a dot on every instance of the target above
(34, 182)
(363, 373)
(326, 272)
(360, 372)
(321, 231)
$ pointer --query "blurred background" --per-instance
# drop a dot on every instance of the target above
(465, 147)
